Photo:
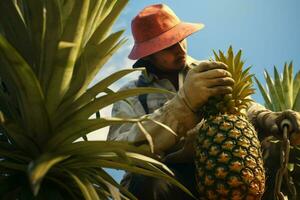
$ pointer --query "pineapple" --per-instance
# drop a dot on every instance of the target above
(228, 156)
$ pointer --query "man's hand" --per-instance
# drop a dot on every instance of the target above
(294, 130)
(183, 155)
(270, 123)
(204, 81)
(187, 153)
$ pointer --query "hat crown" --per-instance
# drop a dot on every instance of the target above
(153, 21)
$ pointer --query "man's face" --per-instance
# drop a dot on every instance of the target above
(172, 58)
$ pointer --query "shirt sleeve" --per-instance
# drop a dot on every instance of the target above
(253, 110)
(174, 113)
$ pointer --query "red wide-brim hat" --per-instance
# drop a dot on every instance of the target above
(157, 27)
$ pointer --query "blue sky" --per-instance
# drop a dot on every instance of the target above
(268, 31)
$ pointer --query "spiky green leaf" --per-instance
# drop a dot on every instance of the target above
(17, 72)
(39, 168)
(79, 112)
(272, 91)
(66, 57)
(279, 89)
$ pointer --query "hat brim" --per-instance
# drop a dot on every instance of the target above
(168, 38)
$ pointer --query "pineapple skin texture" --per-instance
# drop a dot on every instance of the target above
(229, 160)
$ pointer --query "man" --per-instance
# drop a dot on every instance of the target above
(160, 46)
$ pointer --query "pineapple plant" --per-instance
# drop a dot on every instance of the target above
(50, 51)
(229, 162)
(282, 92)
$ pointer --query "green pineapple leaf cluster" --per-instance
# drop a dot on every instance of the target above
(282, 92)
(239, 100)
(242, 88)
(50, 51)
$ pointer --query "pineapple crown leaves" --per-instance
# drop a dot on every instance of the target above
(242, 89)
(282, 92)
(242, 78)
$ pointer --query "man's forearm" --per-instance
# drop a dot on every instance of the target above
(258, 115)
(176, 115)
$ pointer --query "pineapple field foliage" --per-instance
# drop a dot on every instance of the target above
(228, 153)
(282, 92)
(50, 51)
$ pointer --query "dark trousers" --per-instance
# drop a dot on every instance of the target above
(149, 188)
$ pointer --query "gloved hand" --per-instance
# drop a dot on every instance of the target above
(204, 81)
(270, 124)
(187, 153)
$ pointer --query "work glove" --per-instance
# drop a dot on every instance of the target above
(179, 114)
(207, 79)
(270, 123)
(187, 153)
